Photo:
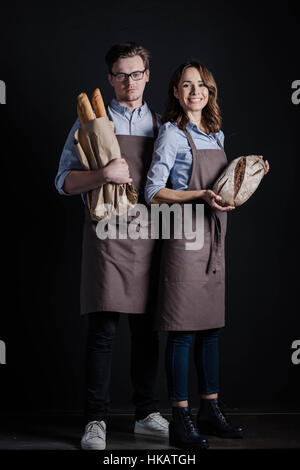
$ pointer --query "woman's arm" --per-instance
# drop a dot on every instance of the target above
(164, 155)
(166, 195)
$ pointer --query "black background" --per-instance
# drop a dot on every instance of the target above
(51, 52)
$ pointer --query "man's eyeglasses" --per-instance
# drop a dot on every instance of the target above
(120, 77)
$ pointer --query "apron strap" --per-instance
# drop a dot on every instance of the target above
(216, 244)
(219, 143)
(215, 258)
(190, 141)
(215, 223)
(154, 120)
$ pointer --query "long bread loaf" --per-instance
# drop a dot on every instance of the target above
(98, 103)
(84, 109)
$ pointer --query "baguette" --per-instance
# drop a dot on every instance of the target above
(84, 109)
(98, 104)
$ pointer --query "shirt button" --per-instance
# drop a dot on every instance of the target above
(214, 270)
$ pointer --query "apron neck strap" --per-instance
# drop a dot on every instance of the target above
(219, 143)
(154, 121)
(190, 140)
(192, 144)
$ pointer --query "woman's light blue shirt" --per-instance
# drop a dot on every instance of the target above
(172, 156)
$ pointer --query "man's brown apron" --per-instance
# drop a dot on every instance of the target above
(192, 285)
(118, 274)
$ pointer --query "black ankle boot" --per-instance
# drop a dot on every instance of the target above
(182, 431)
(212, 421)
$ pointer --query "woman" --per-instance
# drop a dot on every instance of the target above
(189, 153)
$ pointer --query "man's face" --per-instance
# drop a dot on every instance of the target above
(129, 90)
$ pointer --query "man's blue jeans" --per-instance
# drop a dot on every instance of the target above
(206, 357)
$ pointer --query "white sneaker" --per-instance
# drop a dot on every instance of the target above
(94, 437)
(154, 425)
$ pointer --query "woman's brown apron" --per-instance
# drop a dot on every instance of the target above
(192, 283)
(118, 274)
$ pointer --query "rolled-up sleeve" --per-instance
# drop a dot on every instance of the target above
(221, 137)
(163, 159)
(68, 160)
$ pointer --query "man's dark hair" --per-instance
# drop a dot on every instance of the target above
(126, 49)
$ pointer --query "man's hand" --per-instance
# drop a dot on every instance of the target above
(117, 171)
(211, 198)
(82, 181)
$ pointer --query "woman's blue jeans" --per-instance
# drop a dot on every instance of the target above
(206, 357)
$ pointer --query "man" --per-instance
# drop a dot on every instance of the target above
(117, 275)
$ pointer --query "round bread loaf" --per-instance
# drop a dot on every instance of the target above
(239, 180)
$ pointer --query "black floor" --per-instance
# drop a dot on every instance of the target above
(262, 431)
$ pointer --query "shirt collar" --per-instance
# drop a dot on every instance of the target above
(194, 127)
(123, 109)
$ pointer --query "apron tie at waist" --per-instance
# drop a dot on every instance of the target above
(215, 247)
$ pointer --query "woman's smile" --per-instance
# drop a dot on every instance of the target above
(195, 100)
(192, 92)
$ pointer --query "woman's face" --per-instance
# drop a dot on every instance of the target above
(191, 91)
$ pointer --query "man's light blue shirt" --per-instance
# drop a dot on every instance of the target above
(172, 156)
(139, 122)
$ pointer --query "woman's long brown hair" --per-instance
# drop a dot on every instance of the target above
(211, 116)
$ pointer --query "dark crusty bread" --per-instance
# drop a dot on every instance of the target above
(239, 180)
(239, 174)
